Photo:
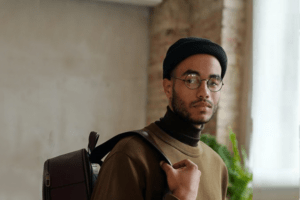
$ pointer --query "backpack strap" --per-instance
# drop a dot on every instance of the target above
(93, 139)
(99, 152)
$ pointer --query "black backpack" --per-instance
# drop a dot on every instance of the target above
(71, 176)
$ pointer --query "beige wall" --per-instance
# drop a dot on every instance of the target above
(67, 68)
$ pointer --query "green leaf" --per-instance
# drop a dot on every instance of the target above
(239, 176)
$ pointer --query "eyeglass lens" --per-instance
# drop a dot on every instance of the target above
(193, 81)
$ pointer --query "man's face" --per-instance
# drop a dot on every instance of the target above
(194, 105)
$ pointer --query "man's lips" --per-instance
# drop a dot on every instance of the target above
(202, 104)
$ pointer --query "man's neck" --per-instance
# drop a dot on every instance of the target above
(179, 129)
(198, 126)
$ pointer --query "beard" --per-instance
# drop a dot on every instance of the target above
(181, 109)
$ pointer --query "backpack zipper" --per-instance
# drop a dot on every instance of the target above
(47, 180)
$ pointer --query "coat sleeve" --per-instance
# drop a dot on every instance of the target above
(120, 178)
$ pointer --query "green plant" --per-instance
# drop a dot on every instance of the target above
(239, 175)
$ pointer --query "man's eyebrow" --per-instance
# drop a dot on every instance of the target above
(190, 72)
(196, 72)
(215, 76)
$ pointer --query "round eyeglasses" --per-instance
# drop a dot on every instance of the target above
(193, 81)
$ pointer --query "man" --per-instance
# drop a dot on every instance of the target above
(192, 80)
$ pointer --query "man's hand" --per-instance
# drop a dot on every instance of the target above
(183, 179)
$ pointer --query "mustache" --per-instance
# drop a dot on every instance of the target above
(203, 101)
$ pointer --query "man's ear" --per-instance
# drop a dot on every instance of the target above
(167, 84)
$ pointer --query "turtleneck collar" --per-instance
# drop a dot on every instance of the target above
(179, 129)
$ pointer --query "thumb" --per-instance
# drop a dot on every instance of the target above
(165, 166)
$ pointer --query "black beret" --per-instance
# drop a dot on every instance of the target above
(189, 46)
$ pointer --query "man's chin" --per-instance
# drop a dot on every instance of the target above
(200, 120)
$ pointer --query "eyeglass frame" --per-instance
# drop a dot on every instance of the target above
(185, 82)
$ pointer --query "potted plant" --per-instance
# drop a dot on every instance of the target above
(239, 175)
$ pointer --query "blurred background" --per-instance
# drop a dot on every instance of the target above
(70, 67)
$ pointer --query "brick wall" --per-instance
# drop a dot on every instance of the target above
(233, 41)
(222, 21)
(169, 22)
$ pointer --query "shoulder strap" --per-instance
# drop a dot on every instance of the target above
(99, 152)
(93, 139)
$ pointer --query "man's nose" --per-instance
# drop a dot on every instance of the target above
(202, 90)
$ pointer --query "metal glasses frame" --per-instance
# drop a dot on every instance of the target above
(185, 82)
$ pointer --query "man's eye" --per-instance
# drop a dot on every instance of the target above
(191, 81)
(213, 83)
